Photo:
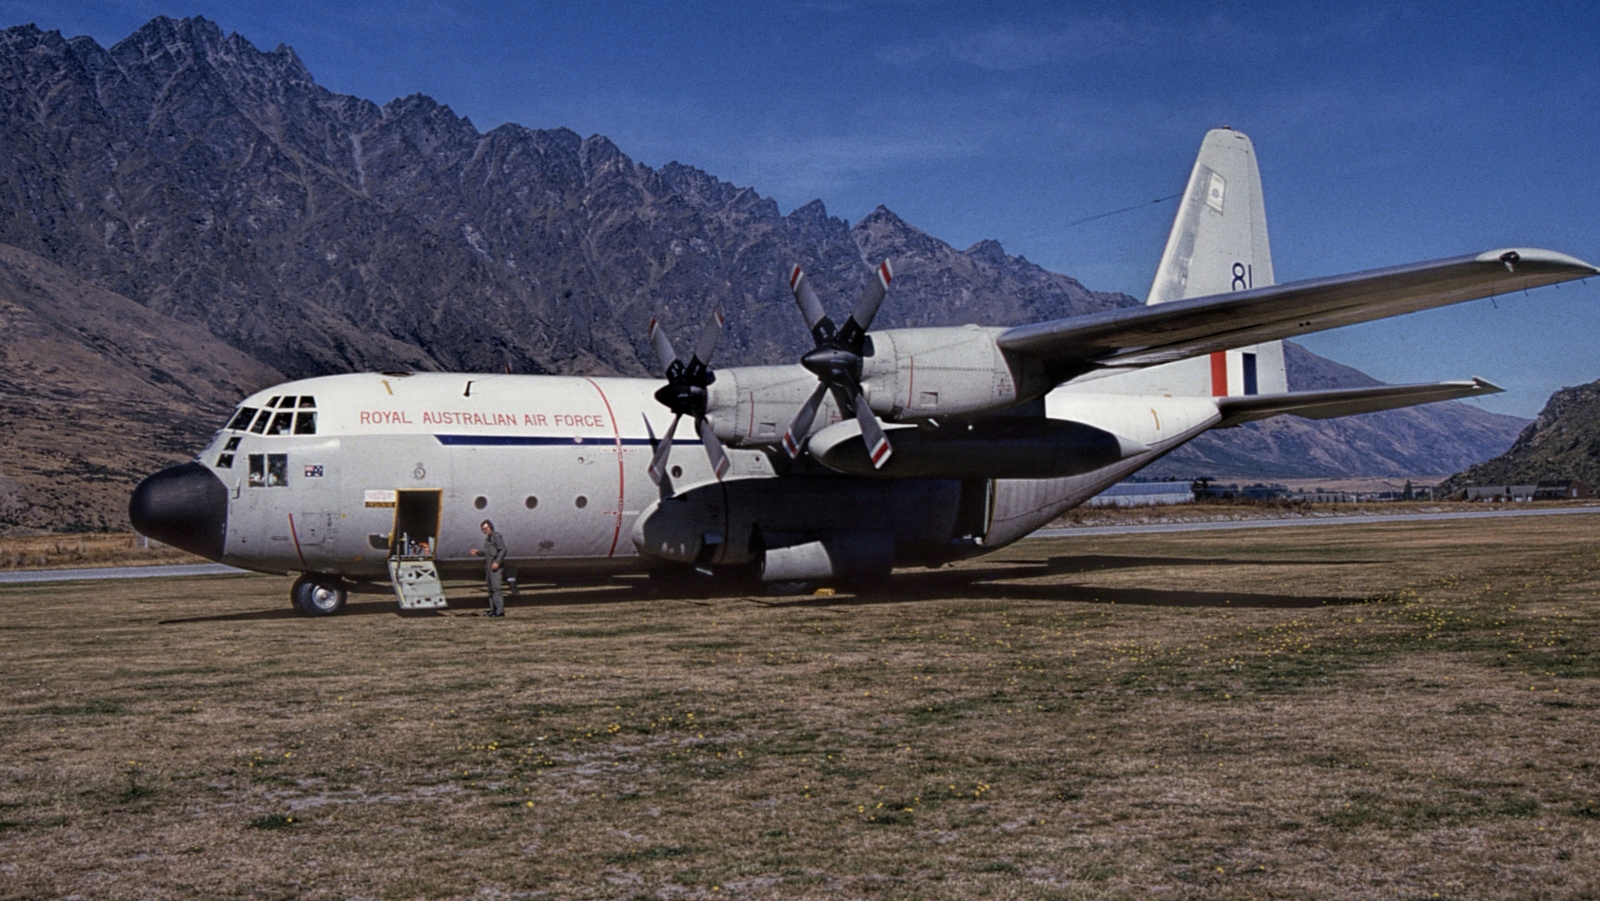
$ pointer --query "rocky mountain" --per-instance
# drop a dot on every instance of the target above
(216, 221)
(1562, 443)
(221, 186)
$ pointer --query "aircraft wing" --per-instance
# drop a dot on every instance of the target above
(1150, 335)
(1346, 401)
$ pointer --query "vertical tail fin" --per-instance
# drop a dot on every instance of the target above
(1219, 244)
(1219, 237)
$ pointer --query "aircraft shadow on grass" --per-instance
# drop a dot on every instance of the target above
(1004, 581)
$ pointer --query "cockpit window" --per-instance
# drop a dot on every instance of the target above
(282, 415)
(281, 424)
(241, 419)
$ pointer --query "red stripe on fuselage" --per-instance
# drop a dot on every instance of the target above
(621, 470)
(299, 553)
(1219, 374)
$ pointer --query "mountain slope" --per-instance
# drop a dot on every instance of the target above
(1563, 442)
(97, 391)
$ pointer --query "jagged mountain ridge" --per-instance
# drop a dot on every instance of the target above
(218, 184)
(304, 232)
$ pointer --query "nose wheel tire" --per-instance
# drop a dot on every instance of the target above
(318, 595)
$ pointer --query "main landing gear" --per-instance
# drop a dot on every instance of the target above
(314, 594)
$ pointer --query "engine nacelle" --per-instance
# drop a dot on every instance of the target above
(924, 373)
(907, 374)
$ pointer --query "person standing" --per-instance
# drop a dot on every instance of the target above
(494, 554)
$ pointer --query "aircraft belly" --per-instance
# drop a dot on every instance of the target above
(1161, 423)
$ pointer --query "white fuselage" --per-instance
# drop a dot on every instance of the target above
(559, 464)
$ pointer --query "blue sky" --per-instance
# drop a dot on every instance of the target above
(1387, 132)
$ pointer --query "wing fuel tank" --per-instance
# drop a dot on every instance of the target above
(1000, 448)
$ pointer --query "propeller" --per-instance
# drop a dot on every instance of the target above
(685, 394)
(836, 361)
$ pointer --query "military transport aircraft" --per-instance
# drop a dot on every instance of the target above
(902, 447)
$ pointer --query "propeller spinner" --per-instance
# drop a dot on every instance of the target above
(685, 394)
(836, 361)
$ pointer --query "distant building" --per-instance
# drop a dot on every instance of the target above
(1562, 490)
(1548, 490)
(1501, 493)
(1135, 494)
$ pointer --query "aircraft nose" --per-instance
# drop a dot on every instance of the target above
(184, 506)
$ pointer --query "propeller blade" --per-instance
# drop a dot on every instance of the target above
(658, 460)
(663, 346)
(877, 442)
(708, 437)
(872, 296)
(709, 337)
(802, 422)
(810, 306)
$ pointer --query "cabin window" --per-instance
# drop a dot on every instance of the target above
(305, 423)
(480, 502)
(581, 502)
(241, 419)
(531, 502)
(225, 461)
(269, 470)
(277, 470)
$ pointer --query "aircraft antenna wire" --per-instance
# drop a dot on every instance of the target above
(1126, 209)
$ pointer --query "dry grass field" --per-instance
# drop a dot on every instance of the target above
(1362, 711)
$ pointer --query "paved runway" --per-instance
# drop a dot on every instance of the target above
(217, 569)
(1301, 521)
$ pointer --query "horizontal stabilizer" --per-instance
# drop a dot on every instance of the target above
(1147, 336)
(1346, 401)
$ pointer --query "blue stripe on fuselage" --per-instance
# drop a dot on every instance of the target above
(532, 441)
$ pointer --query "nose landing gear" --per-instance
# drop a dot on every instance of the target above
(314, 594)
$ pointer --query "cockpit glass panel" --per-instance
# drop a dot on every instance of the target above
(281, 424)
(307, 400)
(233, 444)
(261, 422)
(305, 423)
(273, 402)
(241, 419)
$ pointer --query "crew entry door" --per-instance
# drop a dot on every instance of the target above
(412, 544)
